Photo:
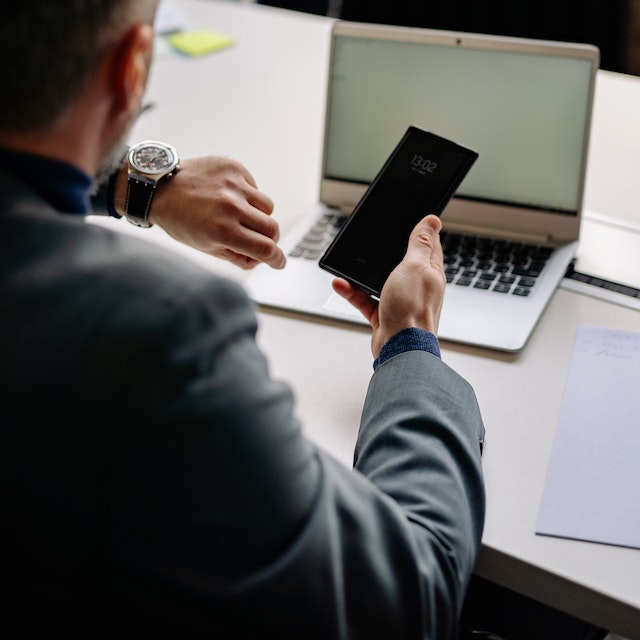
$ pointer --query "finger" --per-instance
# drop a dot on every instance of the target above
(261, 223)
(359, 299)
(247, 185)
(243, 171)
(239, 260)
(429, 227)
(425, 241)
(256, 246)
(259, 200)
(276, 259)
(436, 250)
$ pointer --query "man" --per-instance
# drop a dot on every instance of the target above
(156, 482)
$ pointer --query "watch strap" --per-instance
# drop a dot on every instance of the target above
(137, 205)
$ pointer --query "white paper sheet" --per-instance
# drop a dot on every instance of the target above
(169, 18)
(592, 487)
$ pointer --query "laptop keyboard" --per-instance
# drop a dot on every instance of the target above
(488, 264)
(501, 266)
(319, 236)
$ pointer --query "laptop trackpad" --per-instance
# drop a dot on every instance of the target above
(335, 303)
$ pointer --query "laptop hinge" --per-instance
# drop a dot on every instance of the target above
(531, 238)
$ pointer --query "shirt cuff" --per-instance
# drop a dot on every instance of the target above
(410, 339)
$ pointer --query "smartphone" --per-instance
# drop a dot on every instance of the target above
(419, 177)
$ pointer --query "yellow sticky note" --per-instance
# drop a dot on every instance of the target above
(197, 43)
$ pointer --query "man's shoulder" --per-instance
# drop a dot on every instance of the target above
(104, 266)
(154, 272)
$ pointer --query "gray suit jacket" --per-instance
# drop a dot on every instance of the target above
(156, 478)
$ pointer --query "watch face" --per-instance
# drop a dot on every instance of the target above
(153, 158)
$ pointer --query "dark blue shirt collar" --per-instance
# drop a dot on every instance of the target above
(64, 186)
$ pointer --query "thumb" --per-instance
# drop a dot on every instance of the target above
(425, 238)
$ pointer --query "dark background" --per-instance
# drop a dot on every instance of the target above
(608, 24)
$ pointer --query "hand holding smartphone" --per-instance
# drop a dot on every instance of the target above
(420, 177)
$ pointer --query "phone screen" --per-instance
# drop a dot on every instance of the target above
(419, 177)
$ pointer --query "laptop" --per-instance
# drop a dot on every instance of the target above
(524, 105)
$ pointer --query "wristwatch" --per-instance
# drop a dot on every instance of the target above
(150, 163)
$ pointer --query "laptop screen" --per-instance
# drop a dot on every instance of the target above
(524, 109)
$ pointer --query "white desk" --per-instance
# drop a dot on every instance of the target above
(262, 102)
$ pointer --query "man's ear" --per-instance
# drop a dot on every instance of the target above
(129, 68)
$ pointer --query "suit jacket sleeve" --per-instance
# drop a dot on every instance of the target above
(227, 509)
(419, 444)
